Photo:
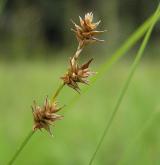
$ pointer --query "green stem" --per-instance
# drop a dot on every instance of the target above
(19, 150)
(57, 92)
(127, 82)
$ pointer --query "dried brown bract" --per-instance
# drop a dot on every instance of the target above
(86, 31)
(77, 74)
(45, 116)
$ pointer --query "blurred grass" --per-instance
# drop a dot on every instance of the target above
(75, 136)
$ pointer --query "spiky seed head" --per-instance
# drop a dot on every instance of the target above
(77, 74)
(86, 31)
(46, 115)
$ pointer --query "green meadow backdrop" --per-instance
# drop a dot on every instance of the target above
(35, 45)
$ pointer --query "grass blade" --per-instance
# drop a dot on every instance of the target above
(127, 82)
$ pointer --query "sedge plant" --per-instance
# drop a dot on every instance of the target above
(85, 33)
(46, 115)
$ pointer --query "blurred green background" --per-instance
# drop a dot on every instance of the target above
(35, 45)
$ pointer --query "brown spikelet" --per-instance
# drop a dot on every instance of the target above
(86, 31)
(45, 116)
(77, 74)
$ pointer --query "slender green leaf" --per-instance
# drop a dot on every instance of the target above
(127, 82)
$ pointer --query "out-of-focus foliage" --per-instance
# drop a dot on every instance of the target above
(37, 27)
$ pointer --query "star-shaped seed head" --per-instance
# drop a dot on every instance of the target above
(46, 115)
(77, 74)
(86, 31)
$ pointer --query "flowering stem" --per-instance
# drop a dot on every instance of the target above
(78, 51)
(19, 150)
(57, 92)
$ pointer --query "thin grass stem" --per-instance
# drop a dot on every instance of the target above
(19, 150)
(127, 82)
(57, 92)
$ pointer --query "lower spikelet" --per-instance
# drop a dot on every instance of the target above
(45, 116)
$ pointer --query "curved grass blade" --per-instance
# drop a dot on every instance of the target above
(127, 82)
